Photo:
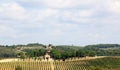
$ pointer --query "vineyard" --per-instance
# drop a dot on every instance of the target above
(107, 63)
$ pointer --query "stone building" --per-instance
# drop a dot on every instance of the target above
(47, 56)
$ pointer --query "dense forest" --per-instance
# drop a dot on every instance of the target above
(59, 52)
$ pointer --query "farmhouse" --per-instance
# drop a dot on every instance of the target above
(47, 56)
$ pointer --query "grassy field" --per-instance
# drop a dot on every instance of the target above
(106, 63)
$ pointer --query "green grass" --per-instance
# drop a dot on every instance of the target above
(106, 63)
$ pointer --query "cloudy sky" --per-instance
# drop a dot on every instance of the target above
(78, 22)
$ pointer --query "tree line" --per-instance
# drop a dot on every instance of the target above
(61, 52)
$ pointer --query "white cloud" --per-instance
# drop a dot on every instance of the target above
(6, 31)
(80, 16)
(85, 13)
(60, 19)
(60, 3)
(56, 32)
(57, 3)
(115, 7)
(110, 6)
(12, 11)
(42, 15)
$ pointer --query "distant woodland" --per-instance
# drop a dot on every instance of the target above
(58, 52)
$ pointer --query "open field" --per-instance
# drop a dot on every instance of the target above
(70, 59)
(105, 63)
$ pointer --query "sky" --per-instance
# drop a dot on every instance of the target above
(60, 22)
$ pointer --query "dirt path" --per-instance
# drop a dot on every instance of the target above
(52, 65)
(9, 60)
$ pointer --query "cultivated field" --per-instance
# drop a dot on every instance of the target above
(105, 63)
